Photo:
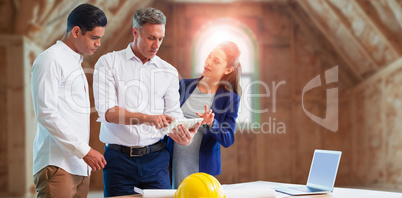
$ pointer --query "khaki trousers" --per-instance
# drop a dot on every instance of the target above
(53, 181)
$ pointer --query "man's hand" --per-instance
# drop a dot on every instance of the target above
(159, 121)
(95, 160)
(207, 115)
(183, 136)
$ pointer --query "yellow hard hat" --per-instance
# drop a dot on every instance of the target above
(200, 185)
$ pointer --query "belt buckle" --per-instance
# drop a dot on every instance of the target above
(131, 151)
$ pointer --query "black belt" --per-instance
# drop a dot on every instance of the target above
(136, 151)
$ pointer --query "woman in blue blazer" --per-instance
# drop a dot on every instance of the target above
(218, 88)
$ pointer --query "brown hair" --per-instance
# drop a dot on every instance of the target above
(231, 81)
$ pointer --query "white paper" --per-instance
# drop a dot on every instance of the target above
(138, 190)
(230, 193)
(158, 193)
(250, 193)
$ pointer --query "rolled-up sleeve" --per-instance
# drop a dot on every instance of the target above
(104, 87)
(46, 78)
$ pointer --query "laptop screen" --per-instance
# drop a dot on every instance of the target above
(324, 168)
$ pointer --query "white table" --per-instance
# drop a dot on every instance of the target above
(337, 193)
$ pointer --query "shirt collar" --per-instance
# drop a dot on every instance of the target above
(71, 52)
(130, 54)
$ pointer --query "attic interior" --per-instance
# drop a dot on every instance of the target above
(284, 43)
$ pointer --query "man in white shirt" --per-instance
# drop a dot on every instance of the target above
(136, 95)
(62, 156)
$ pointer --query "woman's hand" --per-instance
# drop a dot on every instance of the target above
(207, 115)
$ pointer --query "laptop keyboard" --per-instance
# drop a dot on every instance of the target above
(306, 189)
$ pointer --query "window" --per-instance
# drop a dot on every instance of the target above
(228, 29)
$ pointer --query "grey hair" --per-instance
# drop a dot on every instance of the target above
(150, 15)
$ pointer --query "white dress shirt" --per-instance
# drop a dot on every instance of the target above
(121, 79)
(62, 108)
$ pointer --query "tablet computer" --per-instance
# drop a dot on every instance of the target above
(189, 123)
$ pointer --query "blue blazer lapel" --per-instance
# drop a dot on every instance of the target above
(219, 101)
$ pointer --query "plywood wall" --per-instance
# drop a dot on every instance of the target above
(3, 120)
(377, 140)
(18, 119)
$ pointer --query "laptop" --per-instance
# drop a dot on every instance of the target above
(321, 178)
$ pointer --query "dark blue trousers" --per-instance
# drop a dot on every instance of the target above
(122, 173)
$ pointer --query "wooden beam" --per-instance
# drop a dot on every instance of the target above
(43, 22)
(375, 24)
(23, 14)
(334, 43)
(15, 111)
(301, 18)
(347, 25)
(384, 72)
(321, 45)
(397, 9)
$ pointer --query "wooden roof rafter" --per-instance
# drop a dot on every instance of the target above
(376, 25)
(300, 17)
(396, 8)
(333, 41)
(43, 22)
(347, 26)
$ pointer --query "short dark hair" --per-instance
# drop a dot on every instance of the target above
(87, 17)
(148, 15)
